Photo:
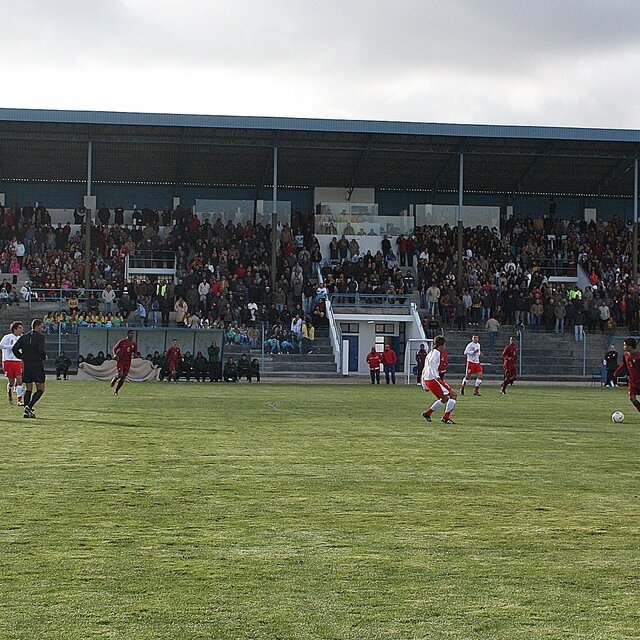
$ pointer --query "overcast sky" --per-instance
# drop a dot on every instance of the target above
(550, 62)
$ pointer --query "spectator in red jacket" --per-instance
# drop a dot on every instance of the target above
(374, 360)
(389, 360)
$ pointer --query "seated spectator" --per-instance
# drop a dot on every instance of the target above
(230, 373)
(244, 366)
(26, 293)
(62, 364)
(200, 367)
(186, 366)
(254, 370)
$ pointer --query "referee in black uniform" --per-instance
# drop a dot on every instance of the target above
(30, 349)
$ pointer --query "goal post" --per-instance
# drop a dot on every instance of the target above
(411, 348)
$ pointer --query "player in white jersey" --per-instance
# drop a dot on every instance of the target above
(431, 381)
(11, 365)
(473, 353)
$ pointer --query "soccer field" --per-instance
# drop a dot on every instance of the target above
(329, 511)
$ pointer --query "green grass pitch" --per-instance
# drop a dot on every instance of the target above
(319, 512)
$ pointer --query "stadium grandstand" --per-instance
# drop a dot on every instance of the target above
(303, 242)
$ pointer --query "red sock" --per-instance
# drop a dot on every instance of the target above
(429, 411)
(446, 415)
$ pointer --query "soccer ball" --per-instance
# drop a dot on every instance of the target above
(617, 416)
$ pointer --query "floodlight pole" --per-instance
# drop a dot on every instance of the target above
(460, 225)
(274, 220)
(87, 222)
(635, 222)
(89, 166)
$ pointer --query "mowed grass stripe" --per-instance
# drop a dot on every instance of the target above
(328, 511)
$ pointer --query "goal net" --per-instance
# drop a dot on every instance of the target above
(411, 349)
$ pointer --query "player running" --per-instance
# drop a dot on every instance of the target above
(431, 381)
(509, 362)
(473, 353)
(11, 365)
(123, 352)
(174, 357)
(631, 362)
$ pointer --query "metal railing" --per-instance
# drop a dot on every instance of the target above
(368, 302)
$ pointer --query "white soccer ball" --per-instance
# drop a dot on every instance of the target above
(617, 416)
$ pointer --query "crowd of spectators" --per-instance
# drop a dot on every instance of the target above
(224, 274)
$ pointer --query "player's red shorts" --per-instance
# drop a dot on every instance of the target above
(439, 388)
(474, 367)
(123, 368)
(510, 372)
(12, 368)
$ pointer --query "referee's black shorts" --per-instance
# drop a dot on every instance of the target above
(33, 372)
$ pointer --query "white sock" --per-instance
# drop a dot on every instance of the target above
(451, 403)
(437, 405)
(19, 391)
(478, 382)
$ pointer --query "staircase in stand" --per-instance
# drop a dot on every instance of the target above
(319, 364)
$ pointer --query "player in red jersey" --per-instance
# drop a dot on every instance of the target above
(421, 357)
(631, 362)
(509, 362)
(123, 351)
(174, 357)
(431, 381)
(444, 361)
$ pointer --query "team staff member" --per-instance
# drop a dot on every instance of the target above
(389, 360)
(373, 360)
(30, 349)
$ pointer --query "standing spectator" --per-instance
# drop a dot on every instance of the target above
(141, 312)
(493, 327)
(14, 269)
(389, 360)
(560, 312)
(215, 369)
(433, 299)
(604, 313)
(108, 298)
(308, 337)
(578, 327)
(611, 363)
(19, 248)
(373, 360)
(181, 308)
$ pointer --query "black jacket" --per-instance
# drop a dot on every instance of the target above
(30, 348)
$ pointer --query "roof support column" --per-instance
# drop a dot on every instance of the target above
(274, 220)
(635, 222)
(460, 225)
(89, 166)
